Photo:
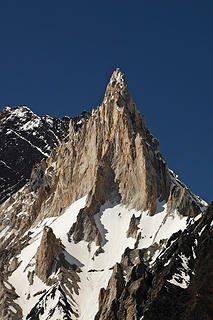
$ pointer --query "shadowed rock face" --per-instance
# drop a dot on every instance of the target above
(123, 299)
(179, 285)
(61, 305)
(26, 139)
(172, 300)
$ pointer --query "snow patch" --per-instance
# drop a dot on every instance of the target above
(7, 285)
(182, 278)
(31, 124)
(12, 309)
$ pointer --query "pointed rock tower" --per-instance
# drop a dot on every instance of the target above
(129, 205)
(112, 156)
(49, 249)
(120, 159)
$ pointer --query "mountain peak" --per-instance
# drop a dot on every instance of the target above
(117, 94)
(107, 205)
(117, 82)
(117, 77)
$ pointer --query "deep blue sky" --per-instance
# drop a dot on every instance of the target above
(57, 56)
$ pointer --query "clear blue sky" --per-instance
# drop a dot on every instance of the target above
(57, 56)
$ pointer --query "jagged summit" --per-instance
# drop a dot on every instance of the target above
(117, 77)
(117, 95)
(117, 82)
(90, 230)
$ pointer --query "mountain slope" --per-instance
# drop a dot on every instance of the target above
(101, 230)
(26, 139)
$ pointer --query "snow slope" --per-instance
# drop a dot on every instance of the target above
(19, 278)
(113, 222)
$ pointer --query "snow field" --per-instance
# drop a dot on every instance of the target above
(19, 277)
(113, 222)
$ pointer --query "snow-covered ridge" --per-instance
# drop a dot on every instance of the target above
(26, 139)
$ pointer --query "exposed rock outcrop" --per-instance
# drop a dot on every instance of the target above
(49, 249)
(133, 229)
(9, 309)
(178, 286)
(184, 272)
(108, 299)
(112, 155)
(54, 296)
(127, 289)
(112, 158)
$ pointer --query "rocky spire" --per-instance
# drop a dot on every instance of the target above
(123, 156)
(112, 159)
(113, 153)
(117, 94)
(117, 82)
(49, 249)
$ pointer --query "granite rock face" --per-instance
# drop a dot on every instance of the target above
(113, 155)
(48, 250)
(102, 227)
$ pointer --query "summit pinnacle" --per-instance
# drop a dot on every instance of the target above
(102, 229)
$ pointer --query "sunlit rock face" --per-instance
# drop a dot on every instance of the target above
(48, 250)
(102, 229)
